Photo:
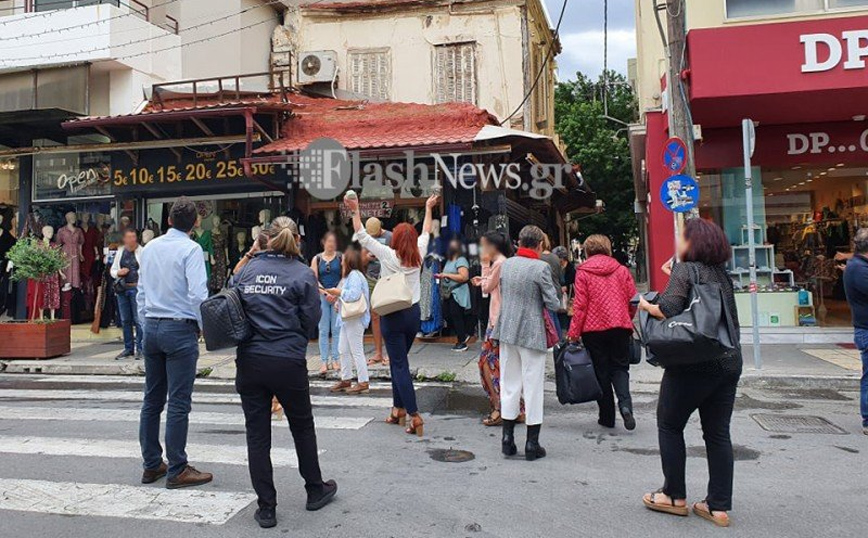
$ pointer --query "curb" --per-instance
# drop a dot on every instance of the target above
(46, 367)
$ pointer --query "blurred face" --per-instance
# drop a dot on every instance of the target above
(454, 248)
(330, 243)
(486, 247)
(131, 241)
(683, 246)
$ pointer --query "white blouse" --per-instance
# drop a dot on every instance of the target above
(391, 264)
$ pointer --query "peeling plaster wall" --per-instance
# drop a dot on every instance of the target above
(500, 30)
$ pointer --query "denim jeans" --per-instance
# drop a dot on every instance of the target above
(129, 311)
(171, 352)
(328, 323)
(862, 344)
(399, 331)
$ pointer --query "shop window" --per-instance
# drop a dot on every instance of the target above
(371, 73)
(69, 176)
(843, 4)
(8, 182)
(756, 8)
(455, 73)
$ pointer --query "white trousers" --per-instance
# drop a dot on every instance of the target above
(522, 372)
(352, 350)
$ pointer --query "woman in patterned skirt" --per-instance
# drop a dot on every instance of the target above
(494, 248)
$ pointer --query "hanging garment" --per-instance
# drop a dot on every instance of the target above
(88, 251)
(204, 240)
(435, 322)
(219, 270)
(71, 242)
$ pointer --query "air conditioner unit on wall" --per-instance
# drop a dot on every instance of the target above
(317, 66)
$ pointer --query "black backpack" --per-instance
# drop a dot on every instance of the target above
(575, 378)
(224, 323)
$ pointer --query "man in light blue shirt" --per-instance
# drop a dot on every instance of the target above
(172, 285)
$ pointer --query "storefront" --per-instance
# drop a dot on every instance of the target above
(807, 93)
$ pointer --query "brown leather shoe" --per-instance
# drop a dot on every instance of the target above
(189, 477)
(341, 386)
(359, 388)
(152, 475)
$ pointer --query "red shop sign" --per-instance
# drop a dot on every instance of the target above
(788, 145)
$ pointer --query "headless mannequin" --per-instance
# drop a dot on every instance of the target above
(47, 236)
(72, 242)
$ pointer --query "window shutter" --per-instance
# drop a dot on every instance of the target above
(371, 73)
(455, 73)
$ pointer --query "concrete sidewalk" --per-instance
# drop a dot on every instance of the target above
(825, 365)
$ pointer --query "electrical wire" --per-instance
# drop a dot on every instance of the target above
(82, 25)
(544, 65)
(138, 41)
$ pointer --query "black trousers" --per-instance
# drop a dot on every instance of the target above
(681, 394)
(259, 379)
(610, 353)
(457, 317)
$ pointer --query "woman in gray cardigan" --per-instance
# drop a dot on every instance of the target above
(527, 288)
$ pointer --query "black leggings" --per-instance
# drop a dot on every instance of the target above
(681, 394)
(258, 380)
(456, 315)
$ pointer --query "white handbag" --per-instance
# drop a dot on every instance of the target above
(391, 294)
(353, 310)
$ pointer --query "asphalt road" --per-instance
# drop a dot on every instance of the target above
(70, 468)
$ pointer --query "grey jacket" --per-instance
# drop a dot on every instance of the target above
(527, 288)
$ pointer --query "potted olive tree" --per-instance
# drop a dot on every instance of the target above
(36, 338)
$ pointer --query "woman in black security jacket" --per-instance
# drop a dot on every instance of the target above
(280, 296)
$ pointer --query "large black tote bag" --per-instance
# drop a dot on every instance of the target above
(703, 332)
(224, 323)
(575, 378)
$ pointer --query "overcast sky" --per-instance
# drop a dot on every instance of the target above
(582, 36)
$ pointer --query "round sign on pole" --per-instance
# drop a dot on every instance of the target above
(675, 155)
(679, 194)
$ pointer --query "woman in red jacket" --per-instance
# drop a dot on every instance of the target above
(603, 320)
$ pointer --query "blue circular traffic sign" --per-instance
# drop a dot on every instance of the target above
(679, 194)
(675, 155)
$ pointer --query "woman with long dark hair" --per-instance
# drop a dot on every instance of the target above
(352, 288)
(709, 386)
(399, 328)
(327, 268)
(494, 249)
(281, 299)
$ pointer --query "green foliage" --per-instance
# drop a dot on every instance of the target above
(447, 377)
(33, 260)
(602, 149)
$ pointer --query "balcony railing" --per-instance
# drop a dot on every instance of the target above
(137, 8)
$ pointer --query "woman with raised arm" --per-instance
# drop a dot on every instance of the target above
(399, 328)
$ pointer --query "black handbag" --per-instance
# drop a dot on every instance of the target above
(224, 323)
(703, 332)
(575, 378)
(635, 350)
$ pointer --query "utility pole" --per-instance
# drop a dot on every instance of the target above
(678, 106)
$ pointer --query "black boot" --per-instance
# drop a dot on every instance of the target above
(629, 419)
(508, 443)
(532, 449)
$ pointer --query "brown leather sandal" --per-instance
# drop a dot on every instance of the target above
(650, 501)
(493, 419)
(702, 510)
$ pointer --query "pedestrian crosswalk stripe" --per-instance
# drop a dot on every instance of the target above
(204, 382)
(110, 448)
(198, 397)
(115, 500)
(132, 415)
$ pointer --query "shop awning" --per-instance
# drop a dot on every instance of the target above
(779, 73)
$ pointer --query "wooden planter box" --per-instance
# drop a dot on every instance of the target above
(34, 340)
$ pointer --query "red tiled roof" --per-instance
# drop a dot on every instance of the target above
(359, 125)
(366, 5)
(272, 102)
